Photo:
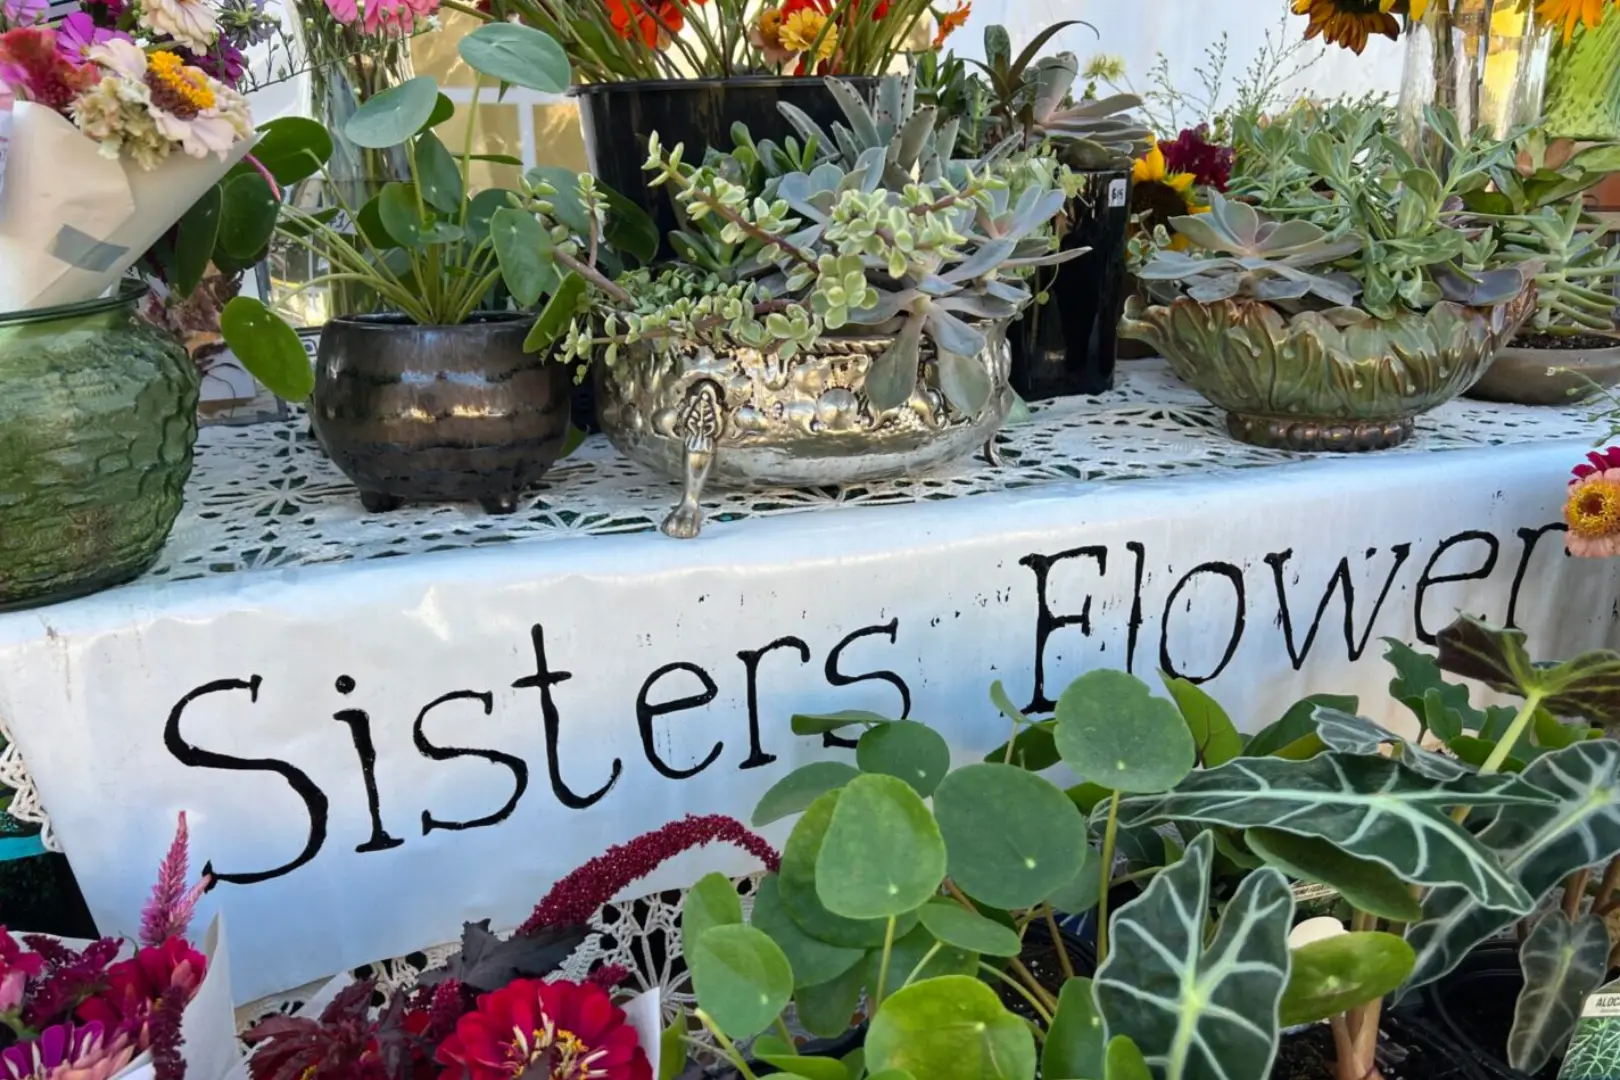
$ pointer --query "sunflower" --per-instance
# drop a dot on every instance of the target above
(1351, 22)
(1157, 194)
(1570, 12)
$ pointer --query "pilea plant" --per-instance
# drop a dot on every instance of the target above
(913, 884)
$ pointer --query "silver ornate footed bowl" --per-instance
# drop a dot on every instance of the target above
(746, 418)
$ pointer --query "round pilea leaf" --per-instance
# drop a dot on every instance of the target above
(814, 962)
(798, 885)
(712, 902)
(1333, 975)
(905, 749)
(883, 855)
(794, 793)
(742, 979)
(954, 924)
(1014, 838)
(1114, 732)
(951, 1028)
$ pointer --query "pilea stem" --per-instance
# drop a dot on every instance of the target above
(1057, 942)
(726, 1045)
(1040, 1009)
(883, 968)
(1110, 834)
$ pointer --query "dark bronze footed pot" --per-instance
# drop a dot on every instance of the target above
(438, 413)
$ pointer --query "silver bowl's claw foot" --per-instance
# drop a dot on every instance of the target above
(377, 502)
(992, 452)
(500, 504)
(701, 422)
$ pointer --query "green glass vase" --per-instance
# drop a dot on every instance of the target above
(98, 419)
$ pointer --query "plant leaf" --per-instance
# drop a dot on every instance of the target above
(1563, 961)
(950, 1028)
(1297, 723)
(1014, 838)
(195, 237)
(1198, 1012)
(883, 855)
(1587, 686)
(892, 378)
(521, 246)
(825, 723)
(1112, 731)
(827, 1009)
(1337, 974)
(1371, 807)
(519, 55)
(712, 902)
(907, 750)
(268, 348)
(439, 174)
(798, 885)
(248, 213)
(1350, 734)
(557, 314)
(1368, 886)
(397, 212)
(292, 148)
(954, 924)
(1215, 738)
(486, 962)
(794, 793)
(1417, 675)
(741, 978)
(1076, 1044)
(1034, 749)
(389, 118)
(814, 962)
(1537, 845)
(964, 382)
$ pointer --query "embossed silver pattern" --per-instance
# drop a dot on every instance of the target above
(744, 418)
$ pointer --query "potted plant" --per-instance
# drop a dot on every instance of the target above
(834, 316)
(1067, 343)
(1569, 349)
(691, 72)
(115, 134)
(1362, 300)
(440, 397)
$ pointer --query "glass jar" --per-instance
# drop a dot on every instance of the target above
(98, 419)
(1482, 60)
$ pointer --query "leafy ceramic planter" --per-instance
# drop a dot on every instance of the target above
(1312, 382)
(98, 418)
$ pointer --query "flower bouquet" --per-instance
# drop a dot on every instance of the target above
(133, 106)
(105, 1011)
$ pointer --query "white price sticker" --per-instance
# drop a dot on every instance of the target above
(1116, 194)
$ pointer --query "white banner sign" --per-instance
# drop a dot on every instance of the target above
(371, 753)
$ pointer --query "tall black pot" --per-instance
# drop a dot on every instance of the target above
(618, 118)
(1067, 345)
(1474, 1005)
(438, 413)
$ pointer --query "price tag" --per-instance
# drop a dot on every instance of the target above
(1116, 194)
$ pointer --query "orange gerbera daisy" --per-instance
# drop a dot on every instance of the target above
(1351, 22)
(952, 21)
(1569, 12)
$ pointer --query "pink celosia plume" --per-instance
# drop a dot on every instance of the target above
(168, 913)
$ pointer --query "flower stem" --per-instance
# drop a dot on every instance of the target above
(726, 1045)
(1110, 835)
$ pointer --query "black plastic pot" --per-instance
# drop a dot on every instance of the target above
(618, 118)
(438, 413)
(1474, 1006)
(1067, 346)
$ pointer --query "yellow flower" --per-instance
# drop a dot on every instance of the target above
(1593, 514)
(184, 86)
(800, 30)
(1570, 12)
(1150, 168)
(1351, 22)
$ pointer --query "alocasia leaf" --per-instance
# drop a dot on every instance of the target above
(1587, 686)
(1417, 676)
(1199, 1012)
(1535, 844)
(1563, 961)
(1594, 1053)
(1372, 807)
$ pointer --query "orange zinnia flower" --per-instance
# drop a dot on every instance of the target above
(953, 21)
(653, 20)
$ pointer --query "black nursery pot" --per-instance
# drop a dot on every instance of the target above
(1067, 345)
(1474, 1006)
(618, 118)
(438, 413)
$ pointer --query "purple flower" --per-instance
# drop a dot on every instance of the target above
(22, 12)
(224, 62)
(78, 33)
(82, 1052)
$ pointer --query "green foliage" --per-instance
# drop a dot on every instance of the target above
(741, 978)
(1587, 686)
(1337, 974)
(1563, 961)
(950, 1028)
(883, 855)
(1014, 839)
(1114, 732)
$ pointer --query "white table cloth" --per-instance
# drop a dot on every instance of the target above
(382, 725)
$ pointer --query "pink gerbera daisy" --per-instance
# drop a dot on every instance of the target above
(1592, 510)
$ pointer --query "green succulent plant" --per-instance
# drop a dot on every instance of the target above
(889, 235)
(1575, 269)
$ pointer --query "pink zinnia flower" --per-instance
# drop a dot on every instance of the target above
(68, 1052)
(1592, 509)
(78, 34)
(17, 966)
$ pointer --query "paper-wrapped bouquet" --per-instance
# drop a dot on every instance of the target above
(118, 120)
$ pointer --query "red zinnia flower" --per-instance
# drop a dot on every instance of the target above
(135, 985)
(572, 1032)
(30, 63)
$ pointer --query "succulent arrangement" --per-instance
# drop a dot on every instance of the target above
(916, 886)
(877, 228)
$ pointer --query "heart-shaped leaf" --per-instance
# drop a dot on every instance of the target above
(1563, 961)
(883, 855)
(1198, 1011)
(1114, 732)
(393, 116)
(1372, 807)
(954, 924)
(1076, 1044)
(438, 173)
(1587, 686)
(268, 348)
(794, 793)
(1337, 974)
(798, 885)
(1216, 739)
(1357, 735)
(1014, 838)
(951, 1028)
(1368, 886)
(741, 978)
(523, 248)
(712, 902)
(519, 55)
(1536, 845)
(814, 962)
(292, 148)
(907, 750)
(399, 214)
